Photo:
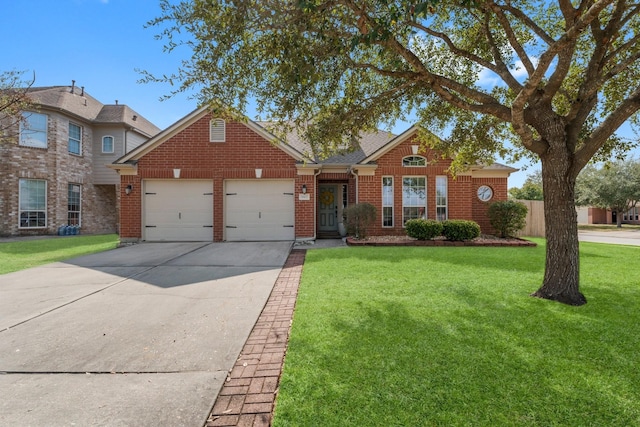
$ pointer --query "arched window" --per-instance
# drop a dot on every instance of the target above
(107, 144)
(412, 161)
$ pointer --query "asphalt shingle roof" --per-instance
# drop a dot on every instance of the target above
(368, 143)
(78, 102)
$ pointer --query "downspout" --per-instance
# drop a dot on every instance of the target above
(315, 203)
(355, 174)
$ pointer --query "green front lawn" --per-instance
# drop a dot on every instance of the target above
(450, 337)
(24, 254)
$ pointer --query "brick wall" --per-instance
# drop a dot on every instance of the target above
(499, 187)
(462, 202)
(197, 158)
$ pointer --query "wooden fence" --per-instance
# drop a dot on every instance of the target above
(535, 218)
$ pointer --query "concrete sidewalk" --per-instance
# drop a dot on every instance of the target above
(617, 237)
(142, 335)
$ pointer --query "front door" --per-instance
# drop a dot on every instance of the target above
(328, 211)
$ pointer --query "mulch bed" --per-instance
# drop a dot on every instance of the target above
(484, 240)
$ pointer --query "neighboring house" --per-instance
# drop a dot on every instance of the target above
(53, 173)
(593, 215)
(204, 179)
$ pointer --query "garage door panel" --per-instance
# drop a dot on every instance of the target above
(178, 210)
(259, 210)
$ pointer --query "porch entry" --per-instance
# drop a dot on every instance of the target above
(328, 208)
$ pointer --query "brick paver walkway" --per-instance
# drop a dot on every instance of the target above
(248, 396)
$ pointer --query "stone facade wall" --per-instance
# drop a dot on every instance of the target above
(58, 168)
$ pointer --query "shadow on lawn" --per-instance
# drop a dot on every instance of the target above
(496, 365)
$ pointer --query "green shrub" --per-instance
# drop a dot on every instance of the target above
(358, 218)
(507, 217)
(460, 229)
(423, 229)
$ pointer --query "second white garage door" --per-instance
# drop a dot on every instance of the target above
(259, 210)
(178, 210)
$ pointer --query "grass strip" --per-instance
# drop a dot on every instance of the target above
(23, 254)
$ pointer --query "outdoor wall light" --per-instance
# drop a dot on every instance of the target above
(304, 188)
(128, 189)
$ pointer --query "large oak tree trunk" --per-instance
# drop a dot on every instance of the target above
(562, 271)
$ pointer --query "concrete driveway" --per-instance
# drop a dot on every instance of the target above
(140, 335)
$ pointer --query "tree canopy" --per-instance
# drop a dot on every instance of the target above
(531, 188)
(552, 80)
(614, 186)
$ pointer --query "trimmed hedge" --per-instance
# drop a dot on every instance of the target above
(460, 230)
(453, 229)
(423, 229)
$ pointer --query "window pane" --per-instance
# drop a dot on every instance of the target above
(387, 201)
(73, 205)
(107, 144)
(387, 216)
(414, 198)
(414, 161)
(75, 138)
(33, 203)
(33, 130)
(441, 198)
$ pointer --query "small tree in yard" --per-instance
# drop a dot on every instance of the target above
(507, 217)
(549, 79)
(14, 100)
(615, 186)
(358, 219)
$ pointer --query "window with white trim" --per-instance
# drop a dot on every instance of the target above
(73, 204)
(33, 203)
(414, 161)
(414, 198)
(33, 130)
(217, 132)
(387, 201)
(441, 198)
(75, 139)
(107, 144)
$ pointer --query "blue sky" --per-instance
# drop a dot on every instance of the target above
(100, 44)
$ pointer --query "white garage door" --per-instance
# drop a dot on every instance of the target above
(178, 210)
(259, 210)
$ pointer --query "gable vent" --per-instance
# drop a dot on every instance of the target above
(217, 130)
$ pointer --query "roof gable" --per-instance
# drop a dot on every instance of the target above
(189, 120)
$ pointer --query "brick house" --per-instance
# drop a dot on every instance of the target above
(206, 179)
(52, 170)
